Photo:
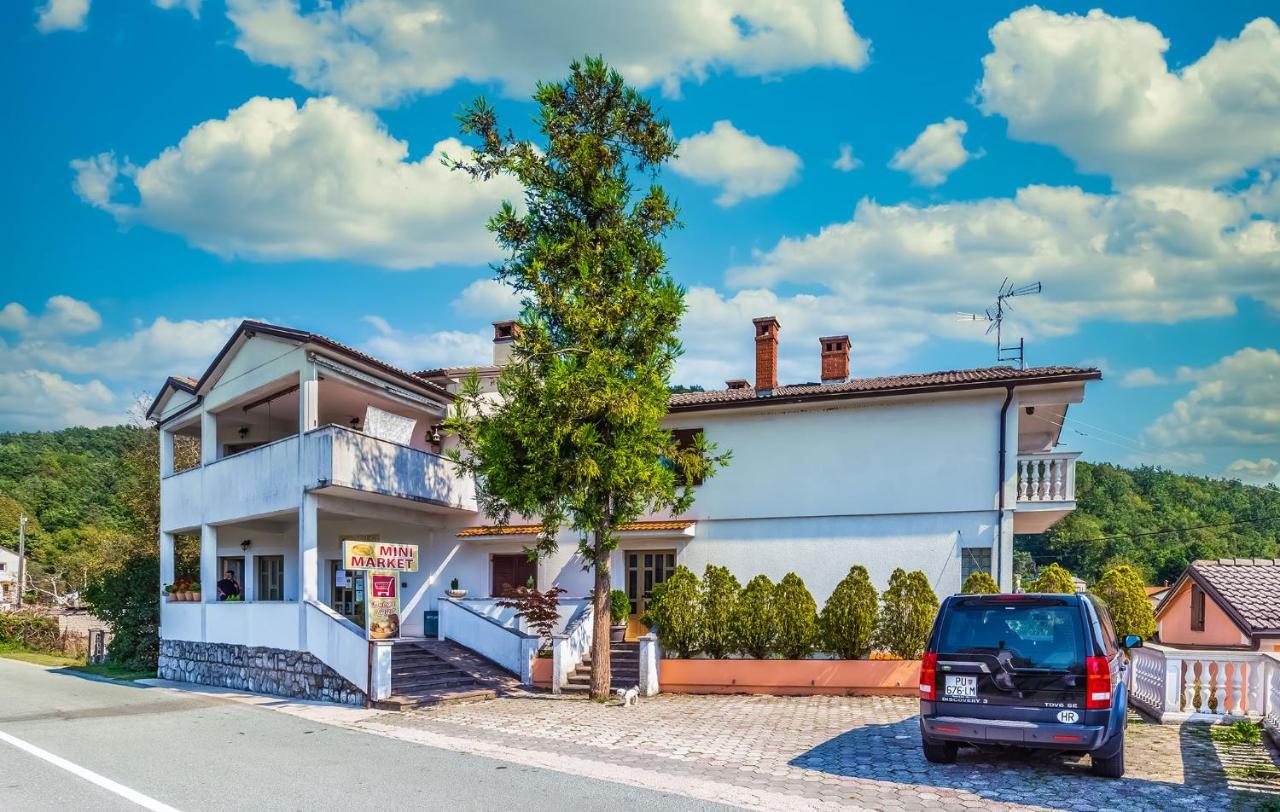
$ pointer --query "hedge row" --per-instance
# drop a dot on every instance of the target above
(35, 632)
(717, 616)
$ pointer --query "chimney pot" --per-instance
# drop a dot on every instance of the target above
(736, 383)
(766, 329)
(504, 336)
(835, 358)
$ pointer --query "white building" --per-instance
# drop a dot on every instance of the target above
(902, 471)
(8, 578)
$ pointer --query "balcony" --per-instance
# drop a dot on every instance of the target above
(344, 459)
(1046, 490)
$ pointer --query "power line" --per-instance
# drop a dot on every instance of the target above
(1259, 520)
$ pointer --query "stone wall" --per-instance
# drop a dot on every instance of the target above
(252, 668)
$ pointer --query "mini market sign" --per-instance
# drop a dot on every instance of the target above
(368, 553)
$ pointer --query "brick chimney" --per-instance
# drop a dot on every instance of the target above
(766, 354)
(835, 359)
(504, 336)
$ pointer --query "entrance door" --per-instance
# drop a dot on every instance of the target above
(509, 572)
(645, 570)
(346, 591)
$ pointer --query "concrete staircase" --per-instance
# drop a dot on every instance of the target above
(624, 665)
(436, 672)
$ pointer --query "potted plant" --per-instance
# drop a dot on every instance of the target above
(453, 591)
(195, 591)
(619, 608)
(169, 590)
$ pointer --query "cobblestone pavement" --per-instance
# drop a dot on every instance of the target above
(822, 752)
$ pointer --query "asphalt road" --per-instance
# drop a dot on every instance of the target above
(193, 753)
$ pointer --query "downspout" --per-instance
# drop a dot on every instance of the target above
(1004, 411)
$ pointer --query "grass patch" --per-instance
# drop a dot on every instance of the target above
(1266, 771)
(38, 657)
(113, 670)
(1240, 732)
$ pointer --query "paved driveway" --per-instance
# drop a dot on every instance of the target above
(817, 752)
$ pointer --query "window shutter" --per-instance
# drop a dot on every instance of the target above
(1197, 609)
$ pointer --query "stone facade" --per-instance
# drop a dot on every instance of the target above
(252, 668)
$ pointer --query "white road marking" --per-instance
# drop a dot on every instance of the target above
(144, 801)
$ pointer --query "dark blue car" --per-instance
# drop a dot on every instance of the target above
(1033, 671)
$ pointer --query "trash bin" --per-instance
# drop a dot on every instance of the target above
(431, 624)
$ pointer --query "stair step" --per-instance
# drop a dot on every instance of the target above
(409, 701)
(432, 681)
(420, 668)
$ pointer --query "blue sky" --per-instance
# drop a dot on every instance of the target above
(178, 165)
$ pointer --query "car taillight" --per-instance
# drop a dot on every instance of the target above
(928, 675)
(1097, 684)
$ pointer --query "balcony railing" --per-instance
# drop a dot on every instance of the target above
(351, 459)
(1047, 478)
(1174, 685)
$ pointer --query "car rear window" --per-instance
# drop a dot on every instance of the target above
(1040, 633)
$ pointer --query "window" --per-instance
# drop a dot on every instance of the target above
(974, 559)
(685, 438)
(270, 578)
(2, 566)
(1197, 609)
(510, 572)
(1036, 633)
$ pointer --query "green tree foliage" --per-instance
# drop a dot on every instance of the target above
(619, 607)
(1120, 510)
(796, 618)
(1053, 579)
(848, 619)
(1122, 591)
(980, 582)
(576, 437)
(676, 608)
(753, 624)
(906, 615)
(719, 607)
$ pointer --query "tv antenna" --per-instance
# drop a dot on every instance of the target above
(1015, 353)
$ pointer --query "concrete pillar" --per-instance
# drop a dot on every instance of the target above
(308, 550)
(649, 654)
(208, 563)
(208, 438)
(308, 399)
(166, 559)
(166, 452)
(249, 589)
(1002, 555)
(380, 669)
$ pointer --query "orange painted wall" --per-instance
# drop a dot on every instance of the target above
(1174, 623)
(790, 677)
(542, 667)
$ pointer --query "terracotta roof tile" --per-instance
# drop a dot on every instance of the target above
(888, 385)
(532, 529)
(1250, 585)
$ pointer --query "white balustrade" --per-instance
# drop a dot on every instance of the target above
(1174, 685)
(1047, 477)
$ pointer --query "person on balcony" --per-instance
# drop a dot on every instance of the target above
(228, 586)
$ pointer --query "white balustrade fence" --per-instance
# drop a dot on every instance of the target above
(1047, 477)
(1175, 685)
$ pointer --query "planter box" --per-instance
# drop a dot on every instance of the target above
(790, 677)
(542, 670)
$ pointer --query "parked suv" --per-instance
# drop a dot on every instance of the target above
(1034, 671)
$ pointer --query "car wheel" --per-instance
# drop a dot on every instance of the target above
(1111, 766)
(940, 752)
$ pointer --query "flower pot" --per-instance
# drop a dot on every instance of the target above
(189, 595)
(618, 634)
(456, 593)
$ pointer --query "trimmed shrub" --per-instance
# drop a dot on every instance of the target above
(906, 615)
(676, 609)
(1122, 591)
(848, 619)
(31, 631)
(753, 622)
(619, 607)
(1053, 579)
(796, 617)
(719, 605)
(980, 582)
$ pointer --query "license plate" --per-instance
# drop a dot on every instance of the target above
(960, 686)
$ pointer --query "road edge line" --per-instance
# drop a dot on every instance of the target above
(144, 801)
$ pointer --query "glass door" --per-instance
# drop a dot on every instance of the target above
(346, 591)
(645, 570)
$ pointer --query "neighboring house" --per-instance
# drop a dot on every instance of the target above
(1231, 603)
(8, 578)
(897, 471)
(1156, 594)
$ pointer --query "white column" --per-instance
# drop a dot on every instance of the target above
(208, 438)
(308, 399)
(166, 452)
(649, 654)
(308, 550)
(166, 558)
(208, 563)
(249, 589)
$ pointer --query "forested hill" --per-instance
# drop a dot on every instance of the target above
(78, 486)
(1156, 521)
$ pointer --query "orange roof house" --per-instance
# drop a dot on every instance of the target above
(1223, 603)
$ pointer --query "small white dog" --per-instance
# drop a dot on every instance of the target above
(629, 696)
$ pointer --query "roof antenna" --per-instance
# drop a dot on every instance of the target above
(1015, 353)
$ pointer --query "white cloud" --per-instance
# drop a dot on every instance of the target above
(192, 6)
(378, 52)
(1143, 376)
(487, 299)
(937, 152)
(1099, 88)
(846, 162)
(741, 165)
(1143, 255)
(61, 15)
(1236, 402)
(62, 315)
(1259, 470)
(427, 350)
(274, 181)
(34, 400)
